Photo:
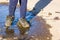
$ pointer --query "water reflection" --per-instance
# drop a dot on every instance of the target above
(13, 30)
(39, 29)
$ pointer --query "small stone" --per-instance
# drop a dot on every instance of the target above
(49, 13)
(56, 18)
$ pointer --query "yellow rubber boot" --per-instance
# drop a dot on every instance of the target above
(23, 25)
(9, 20)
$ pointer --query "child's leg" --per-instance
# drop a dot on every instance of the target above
(10, 17)
(12, 7)
(23, 8)
(22, 24)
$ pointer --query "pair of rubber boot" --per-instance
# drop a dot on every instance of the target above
(22, 24)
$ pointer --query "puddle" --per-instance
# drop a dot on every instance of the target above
(39, 29)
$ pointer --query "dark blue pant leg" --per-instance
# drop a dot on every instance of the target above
(12, 7)
(20, 2)
(23, 8)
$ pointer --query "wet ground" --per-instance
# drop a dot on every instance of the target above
(39, 30)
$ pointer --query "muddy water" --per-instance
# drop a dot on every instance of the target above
(39, 30)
